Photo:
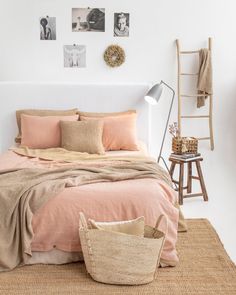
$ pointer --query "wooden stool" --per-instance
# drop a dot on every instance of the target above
(190, 177)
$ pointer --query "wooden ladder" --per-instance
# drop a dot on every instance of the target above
(181, 95)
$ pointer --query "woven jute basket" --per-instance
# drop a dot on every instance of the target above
(184, 145)
(117, 258)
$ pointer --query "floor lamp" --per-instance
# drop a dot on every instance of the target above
(152, 97)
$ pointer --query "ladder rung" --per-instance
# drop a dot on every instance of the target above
(189, 52)
(193, 195)
(194, 117)
(195, 177)
(194, 95)
(189, 74)
(203, 138)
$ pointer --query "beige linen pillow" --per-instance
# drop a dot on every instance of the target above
(131, 227)
(41, 113)
(84, 137)
(102, 115)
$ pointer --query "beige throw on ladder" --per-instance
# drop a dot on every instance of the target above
(204, 84)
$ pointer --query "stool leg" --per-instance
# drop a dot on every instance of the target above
(189, 184)
(172, 168)
(181, 183)
(202, 183)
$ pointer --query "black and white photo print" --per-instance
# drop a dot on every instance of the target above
(47, 28)
(74, 56)
(121, 24)
(88, 20)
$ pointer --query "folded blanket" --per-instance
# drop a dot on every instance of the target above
(24, 191)
(63, 155)
(204, 84)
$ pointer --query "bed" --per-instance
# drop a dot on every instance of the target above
(147, 193)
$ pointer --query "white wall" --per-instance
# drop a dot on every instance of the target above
(151, 56)
(150, 49)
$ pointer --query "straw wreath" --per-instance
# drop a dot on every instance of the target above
(114, 56)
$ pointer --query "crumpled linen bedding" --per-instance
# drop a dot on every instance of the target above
(55, 225)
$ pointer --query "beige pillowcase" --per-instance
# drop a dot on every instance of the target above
(41, 113)
(84, 137)
(89, 114)
(131, 227)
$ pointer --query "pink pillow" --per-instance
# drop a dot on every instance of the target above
(42, 132)
(119, 132)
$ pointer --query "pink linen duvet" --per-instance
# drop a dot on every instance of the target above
(55, 225)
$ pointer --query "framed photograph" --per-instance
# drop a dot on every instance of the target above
(121, 24)
(88, 19)
(74, 56)
(47, 28)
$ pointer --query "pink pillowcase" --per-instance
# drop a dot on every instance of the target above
(119, 132)
(42, 132)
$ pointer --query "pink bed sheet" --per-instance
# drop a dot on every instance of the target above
(56, 224)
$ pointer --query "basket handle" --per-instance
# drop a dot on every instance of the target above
(82, 220)
(160, 220)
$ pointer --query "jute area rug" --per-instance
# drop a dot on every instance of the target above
(204, 268)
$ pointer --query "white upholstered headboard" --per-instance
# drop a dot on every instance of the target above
(86, 97)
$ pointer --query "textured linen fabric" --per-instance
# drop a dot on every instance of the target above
(24, 191)
(62, 156)
(114, 114)
(204, 84)
(42, 132)
(131, 227)
(119, 132)
(84, 137)
(41, 113)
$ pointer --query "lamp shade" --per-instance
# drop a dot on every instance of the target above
(154, 94)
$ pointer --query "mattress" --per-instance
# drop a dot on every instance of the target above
(55, 225)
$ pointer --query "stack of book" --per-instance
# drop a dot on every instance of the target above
(186, 157)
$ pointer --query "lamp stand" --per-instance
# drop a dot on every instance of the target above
(167, 123)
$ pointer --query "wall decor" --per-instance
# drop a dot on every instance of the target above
(47, 28)
(88, 19)
(74, 56)
(114, 56)
(121, 24)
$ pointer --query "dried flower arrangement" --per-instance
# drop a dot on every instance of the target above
(174, 129)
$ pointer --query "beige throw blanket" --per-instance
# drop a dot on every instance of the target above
(24, 191)
(204, 84)
(63, 155)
